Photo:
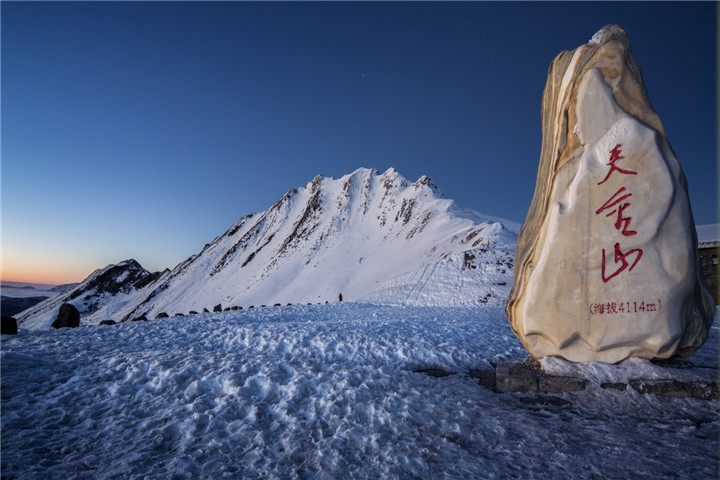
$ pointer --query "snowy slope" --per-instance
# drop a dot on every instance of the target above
(473, 277)
(348, 236)
(330, 392)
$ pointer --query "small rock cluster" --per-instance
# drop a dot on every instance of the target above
(216, 309)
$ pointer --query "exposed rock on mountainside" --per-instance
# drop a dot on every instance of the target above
(606, 263)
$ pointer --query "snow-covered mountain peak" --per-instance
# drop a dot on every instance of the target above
(357, 236)
(427, 182)
(332, 236)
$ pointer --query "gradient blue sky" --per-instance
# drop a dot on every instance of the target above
(144, 130)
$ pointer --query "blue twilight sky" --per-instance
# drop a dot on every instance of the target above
(144, 130)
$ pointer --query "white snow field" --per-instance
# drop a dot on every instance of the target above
(329, 392)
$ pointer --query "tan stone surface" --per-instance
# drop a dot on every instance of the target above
(606, 265)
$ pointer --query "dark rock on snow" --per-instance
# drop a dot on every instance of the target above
(107, 322)
(9, 326)
(68, 317)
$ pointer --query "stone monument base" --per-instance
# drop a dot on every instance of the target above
(528, 376)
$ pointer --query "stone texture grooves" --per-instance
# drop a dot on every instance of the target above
(609, 53)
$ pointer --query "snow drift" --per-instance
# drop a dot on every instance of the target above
(328, 392)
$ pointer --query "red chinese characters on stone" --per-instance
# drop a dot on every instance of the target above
(614, 158)
(622, 258)
(632, 306)
(622, 221)
(617, 204)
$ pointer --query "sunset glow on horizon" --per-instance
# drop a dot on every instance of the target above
(39, 274)
(35, 270)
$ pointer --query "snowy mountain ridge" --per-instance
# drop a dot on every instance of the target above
(100, 295)
(366, 236)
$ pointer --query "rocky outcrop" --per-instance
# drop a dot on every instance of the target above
(119, 278)
(68, 317)
(606, 265)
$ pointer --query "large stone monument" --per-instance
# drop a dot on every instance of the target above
(606, 265)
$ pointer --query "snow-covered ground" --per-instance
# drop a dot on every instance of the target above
(327, 392)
